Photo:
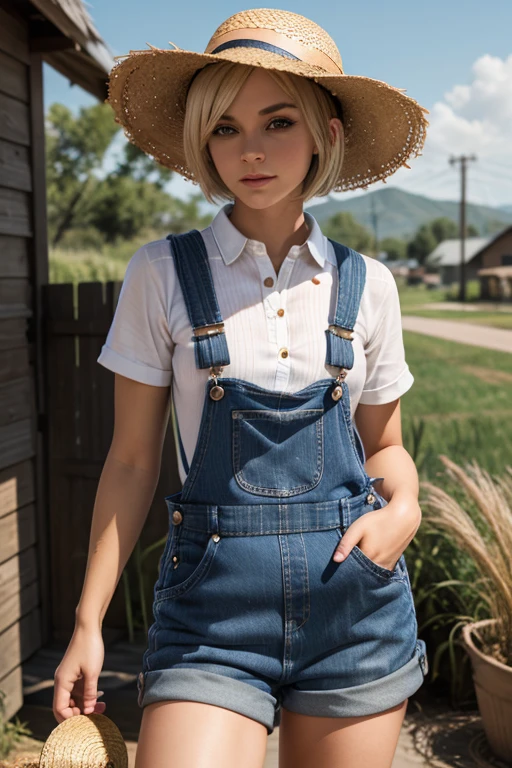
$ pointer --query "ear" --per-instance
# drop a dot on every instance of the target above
(335, 129)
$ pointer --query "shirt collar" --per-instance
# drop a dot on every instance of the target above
(231, 242)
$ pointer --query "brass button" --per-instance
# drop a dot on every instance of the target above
(283, 353)
(269, 282)
(216, 537)
(370, 499)
(315, 280)
(280, 312)
(177, 517)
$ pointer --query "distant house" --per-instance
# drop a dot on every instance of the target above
(445, 258)
(480, 253)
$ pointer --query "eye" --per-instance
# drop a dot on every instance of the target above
(217, 131)
(285, 122)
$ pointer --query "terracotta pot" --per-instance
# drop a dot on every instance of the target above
(493, 684)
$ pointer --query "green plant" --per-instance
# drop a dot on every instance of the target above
(11, 733)
(477, 517)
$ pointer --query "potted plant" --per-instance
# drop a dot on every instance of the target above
(481, 524)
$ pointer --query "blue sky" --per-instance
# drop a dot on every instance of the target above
(454, 58)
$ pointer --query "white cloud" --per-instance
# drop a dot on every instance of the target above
(472, 119)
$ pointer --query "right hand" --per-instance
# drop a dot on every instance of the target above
(76, 677)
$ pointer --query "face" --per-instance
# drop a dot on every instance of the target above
(262, 134)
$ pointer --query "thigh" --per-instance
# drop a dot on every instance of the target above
(190, 733)
(369, 741)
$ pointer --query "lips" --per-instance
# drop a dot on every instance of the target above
(255, 177)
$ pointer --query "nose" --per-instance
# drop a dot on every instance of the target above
(251, 154)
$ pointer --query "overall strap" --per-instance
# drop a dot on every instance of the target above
(194, 274)
(351, 281)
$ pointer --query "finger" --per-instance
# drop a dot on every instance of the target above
(345, 546)
(90, 694)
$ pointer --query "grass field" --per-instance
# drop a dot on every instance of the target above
(459, 404)
(414, 298)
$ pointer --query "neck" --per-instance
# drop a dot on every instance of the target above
(277, 227)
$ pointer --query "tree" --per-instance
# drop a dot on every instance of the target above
(75, 148)
(344, 228)
(395, 248)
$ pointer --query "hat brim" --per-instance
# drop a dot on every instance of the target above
(383, 126)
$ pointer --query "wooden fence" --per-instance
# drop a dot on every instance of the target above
(80, 395)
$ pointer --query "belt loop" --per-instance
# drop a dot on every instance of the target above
(345, 512)
(213, 519)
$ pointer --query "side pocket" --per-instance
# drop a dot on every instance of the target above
(195, 554)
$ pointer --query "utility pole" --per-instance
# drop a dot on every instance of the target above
(463, 160)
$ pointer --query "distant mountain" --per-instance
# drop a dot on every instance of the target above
(400, 213)
(506, 208)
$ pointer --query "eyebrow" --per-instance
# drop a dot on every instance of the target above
(266, 111)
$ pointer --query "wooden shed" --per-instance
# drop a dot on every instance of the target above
(60, 33)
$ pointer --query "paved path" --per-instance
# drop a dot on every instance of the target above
(464, 333)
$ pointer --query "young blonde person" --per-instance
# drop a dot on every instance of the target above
(283, 595)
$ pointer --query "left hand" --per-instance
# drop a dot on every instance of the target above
(382, 534)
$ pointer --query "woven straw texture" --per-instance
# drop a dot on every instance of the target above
(85, 741)
(383, 126)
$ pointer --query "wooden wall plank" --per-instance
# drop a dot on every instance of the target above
(15, 211)
(20, 640)
(14, 120)
(12, 686)
(14, 261)
(13, 332)
(13, 78)
(15, 291)
(14, 363)
(16, 442)
(16, 487)
(15, 607)
(15, 401)
(14, 36)
(15, 171)
(17, 532)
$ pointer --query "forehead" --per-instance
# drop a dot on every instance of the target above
(258, 91)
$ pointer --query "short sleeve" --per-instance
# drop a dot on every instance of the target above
(139, 344)
(387, 374)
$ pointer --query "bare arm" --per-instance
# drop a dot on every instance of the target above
(384, 534)
(380, 428)
(125, 492)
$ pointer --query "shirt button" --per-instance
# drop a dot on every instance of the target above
(280, 312)
(315, 280)
(283, 352)
(268, 282)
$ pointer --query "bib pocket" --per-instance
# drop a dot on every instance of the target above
(278, 453)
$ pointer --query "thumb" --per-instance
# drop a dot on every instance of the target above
(349, 539)
(90, 693)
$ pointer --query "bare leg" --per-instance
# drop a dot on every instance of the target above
(190, 734)
(334, 742)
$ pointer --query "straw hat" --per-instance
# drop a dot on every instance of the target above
(81, 741)
(148, 89)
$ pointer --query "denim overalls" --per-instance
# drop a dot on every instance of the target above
(250, 610)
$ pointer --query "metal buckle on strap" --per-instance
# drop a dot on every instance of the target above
(344, 333)
(216, 392)
(209, 330)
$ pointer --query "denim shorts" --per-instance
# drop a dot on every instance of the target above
(252, 614)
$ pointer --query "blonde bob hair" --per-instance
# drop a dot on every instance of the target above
(215, 87)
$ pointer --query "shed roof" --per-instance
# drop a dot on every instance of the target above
(447, 253)
(86, 59)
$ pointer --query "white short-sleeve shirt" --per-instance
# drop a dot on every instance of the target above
(150, 339)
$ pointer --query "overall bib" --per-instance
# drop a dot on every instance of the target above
(250, 610)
